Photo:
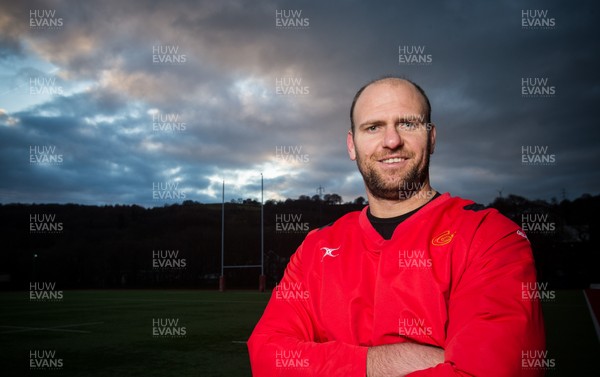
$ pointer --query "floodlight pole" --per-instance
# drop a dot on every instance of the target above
(222, 277)
(262, 280)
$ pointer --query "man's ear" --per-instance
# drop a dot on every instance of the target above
(350, 145)
(432, 137)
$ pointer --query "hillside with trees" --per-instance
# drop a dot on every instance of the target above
(179, 245)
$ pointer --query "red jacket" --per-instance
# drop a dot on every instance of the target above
(450, 276)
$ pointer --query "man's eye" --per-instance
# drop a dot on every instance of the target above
(372, 128)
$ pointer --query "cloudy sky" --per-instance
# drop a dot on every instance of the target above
(153, 102)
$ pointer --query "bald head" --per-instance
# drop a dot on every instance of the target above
(392, 81)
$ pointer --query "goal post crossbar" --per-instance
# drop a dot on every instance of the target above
(245, 266)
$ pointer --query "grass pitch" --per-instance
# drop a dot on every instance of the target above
(112, 333)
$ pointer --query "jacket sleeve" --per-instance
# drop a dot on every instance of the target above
(495, 326)
(285, 342)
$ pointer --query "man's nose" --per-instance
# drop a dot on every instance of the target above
(392, 138)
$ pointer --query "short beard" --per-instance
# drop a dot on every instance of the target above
(406, 187)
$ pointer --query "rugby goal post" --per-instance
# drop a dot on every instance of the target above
(262, 279)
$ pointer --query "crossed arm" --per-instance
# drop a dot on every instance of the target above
(398, 360)
(338, 359)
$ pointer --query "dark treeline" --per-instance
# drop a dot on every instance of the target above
(179, 245)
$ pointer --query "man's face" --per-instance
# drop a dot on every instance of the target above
(392, 158)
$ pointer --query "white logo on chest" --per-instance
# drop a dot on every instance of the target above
(329, 252)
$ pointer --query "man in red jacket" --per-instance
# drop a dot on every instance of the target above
(418, 283)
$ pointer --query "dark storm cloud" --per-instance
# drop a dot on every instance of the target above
(225, 92)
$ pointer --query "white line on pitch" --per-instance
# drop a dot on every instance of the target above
(17, 329)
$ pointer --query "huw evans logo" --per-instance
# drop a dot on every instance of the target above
(537, 87)
(44, 155)
(170, 122)
(40, 85)
(537, 223)
(413, 55)
(291, 359)
(290, 86)
(41, 223)
(409, 190)
(167, 55)
(166, 191)
(537, 155)
(44, 19)
(537, 359)
(44, 291)
(290, 223)
(291, 291)
(537, 19)
(44, 360)
(291, 19)
(533, 290)
(414, 328)
(167, 328)
(167, 259)
(291, 153)
(413, 259)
